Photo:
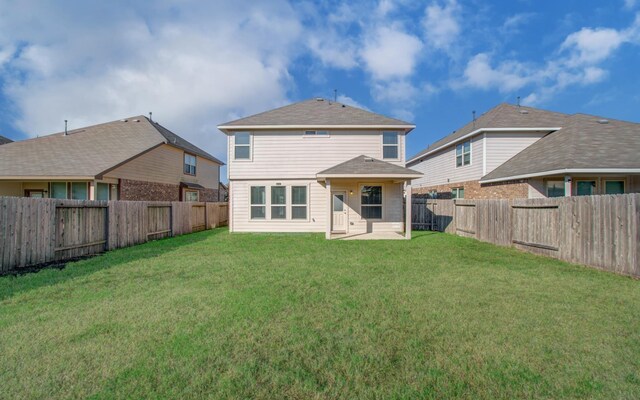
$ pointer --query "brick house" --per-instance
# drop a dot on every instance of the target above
(523, 152)
(129, 159)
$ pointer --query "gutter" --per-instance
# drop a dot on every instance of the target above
(566, 171)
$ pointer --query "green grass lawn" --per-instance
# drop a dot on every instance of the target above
(220, 315)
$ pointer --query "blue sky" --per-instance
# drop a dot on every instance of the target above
(197, 64)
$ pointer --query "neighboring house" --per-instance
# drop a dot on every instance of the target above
(318, 166)
(129, 159)
(223, 192)
(524, 152)
(4, 140)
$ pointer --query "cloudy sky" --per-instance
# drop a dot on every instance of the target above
(196, 64)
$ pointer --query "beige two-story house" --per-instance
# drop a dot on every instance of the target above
(319, 166)
(129, 159)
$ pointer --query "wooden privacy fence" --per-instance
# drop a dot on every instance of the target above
(600, 231)
(37, 231)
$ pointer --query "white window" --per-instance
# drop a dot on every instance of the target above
(555, 188)
(457, 193)
(298, 202)
(614, 187)
(189, 164)
(463, 154)
(316, 133)
(371, 202)
(258, 202)
(390, 145)
(242, 149)
(191, 195)
(278, 202)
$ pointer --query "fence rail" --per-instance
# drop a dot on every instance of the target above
(37, 231)
(599, 231)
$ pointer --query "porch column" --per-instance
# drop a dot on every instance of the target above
(567, 185)
(327, 234)
(407, 225)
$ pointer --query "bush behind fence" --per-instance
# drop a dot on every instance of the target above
(599, 231)
(37, 231)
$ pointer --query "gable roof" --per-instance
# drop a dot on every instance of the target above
(316, 113)
(5, 140)
(502, 116)
(586, 143)
(364, 166)
(90, 151)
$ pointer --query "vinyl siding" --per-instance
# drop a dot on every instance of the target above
(318, 210)
(165, 165)
(440, 168)
(503, 146)
(291, 155)
(11, 189)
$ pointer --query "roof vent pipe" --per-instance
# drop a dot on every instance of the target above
(65, 128)
(150, 116)
(603, 121)
(474, 117)
(518, 101)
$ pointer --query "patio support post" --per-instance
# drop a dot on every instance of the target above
(407, 225)
(327, 234)
(567, 185)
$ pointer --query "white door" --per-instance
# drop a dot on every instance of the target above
(339, 212)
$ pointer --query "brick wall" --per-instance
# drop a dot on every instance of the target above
(148, 191)
(474, 190)
(209, 195)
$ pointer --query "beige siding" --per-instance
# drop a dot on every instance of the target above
(13, 189)
(291, 155)
(537, 189)
(318, 209)
(503, 146)
(165, 165)
(440, 168)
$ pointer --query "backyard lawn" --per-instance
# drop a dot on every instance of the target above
(221, 315)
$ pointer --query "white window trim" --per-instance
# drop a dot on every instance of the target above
(233, 149)
(315, 135)
(457, 189)
(382, 188)
(195, 163)
(291, 205)
(191, 191)
(382, 146)
(265, 204)
(285, 205)
(455, 153)
(623, 180)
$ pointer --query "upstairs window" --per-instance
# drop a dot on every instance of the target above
(189, 164)
(463, 154)
(390, 145)
(242, 146)
(316, 133)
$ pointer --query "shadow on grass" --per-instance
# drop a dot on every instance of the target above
(10, 285)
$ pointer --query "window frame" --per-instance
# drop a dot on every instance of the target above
(305, 205)
(381, 205)
(546, 188)
(595, 187)
(66, 190)
(70, 193)
(624, 185)
(97, 185)
(457, 191)
(462, 154)
(281, 205)
(185, 164)
(396, 145)
(249, 145)
(263, 205)
(307, 133)
(197, 192)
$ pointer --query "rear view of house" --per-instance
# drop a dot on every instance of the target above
(524, 152)
(318, 166)
(129, 159)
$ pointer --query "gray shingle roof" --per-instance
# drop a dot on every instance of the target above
(317, 113)
(5, 140)
(364, 166)
(583, 143)
(503, 116)
(87, 151)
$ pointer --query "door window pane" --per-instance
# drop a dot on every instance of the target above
(79, 191)
(102, 191)
(585, 188)
(614, 187)
(338, 202)
(58, 190)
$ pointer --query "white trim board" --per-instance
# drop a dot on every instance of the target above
(565, 172)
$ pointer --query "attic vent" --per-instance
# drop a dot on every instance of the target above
(136, 120)
(368, 159)
(319, 99)
(603, 121)
(524, 112)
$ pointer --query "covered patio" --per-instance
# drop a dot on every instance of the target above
(365, 199)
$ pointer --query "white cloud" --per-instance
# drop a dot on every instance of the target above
(391, 53)
(506, 76)
(589, 46)
(513, 23)
(193, 69)
(334, 51)
(441, 24)
(629, 4)
(397, 91)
